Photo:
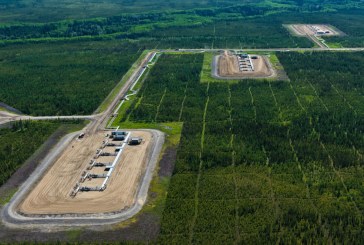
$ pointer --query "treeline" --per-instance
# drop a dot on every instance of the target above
(63, 79)
(217, 27)
(125, 23)
(19, 142)
(256, 139)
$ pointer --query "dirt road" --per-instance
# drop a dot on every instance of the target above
(51, 195)
(124, 197)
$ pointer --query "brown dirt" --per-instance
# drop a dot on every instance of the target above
(166, 164)
(51, 194)
(228, 64)
(30, 165)
(229, 67)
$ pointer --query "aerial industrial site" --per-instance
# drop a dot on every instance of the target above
(240, 65)
(181, 122)
(95, 174)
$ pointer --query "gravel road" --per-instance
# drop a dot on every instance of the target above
(12, 218)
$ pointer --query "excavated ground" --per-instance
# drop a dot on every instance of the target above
(52, 194)
(303, 30)
(228, 66)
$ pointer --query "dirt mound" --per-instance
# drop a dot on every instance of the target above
(228, 64)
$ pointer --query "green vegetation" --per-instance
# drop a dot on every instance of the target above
(222, 28)
(6, 197)
(260, 161)
(206, 71)
(160, 183)
(20, 142)
(53, 10)
(63, 79)
(23, 139)
(117, 88)
(240, 26)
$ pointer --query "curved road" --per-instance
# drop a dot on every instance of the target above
(12, 218)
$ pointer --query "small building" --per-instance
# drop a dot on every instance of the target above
(135, 141)
(118, 135)
(116, 132)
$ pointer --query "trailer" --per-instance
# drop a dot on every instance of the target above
(135, 141)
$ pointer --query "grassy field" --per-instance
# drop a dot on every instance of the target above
(273, 158)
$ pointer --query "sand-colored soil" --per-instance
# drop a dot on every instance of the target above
(5, 116)
(304, 29)
(52, 194)
(228, 66)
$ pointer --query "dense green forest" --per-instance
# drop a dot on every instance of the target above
(62, 79)
(53, 10)
(37, 78)
(248, 26)
(261, 161)
(218, 28)
(19, 142)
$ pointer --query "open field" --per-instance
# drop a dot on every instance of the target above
(52, 194)
(235, 66)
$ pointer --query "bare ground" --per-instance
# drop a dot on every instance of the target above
(146, 228)
(51, 194)
(30, 165)
(166, 164)
(304, 30)
(228, 66)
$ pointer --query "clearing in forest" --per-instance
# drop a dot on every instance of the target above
(52, 195)
(314, 30)
(239, 65)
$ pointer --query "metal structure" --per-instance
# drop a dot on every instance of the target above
(109, 167)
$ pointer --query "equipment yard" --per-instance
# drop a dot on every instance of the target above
(240, 65)
(314, 30)
(54, 194)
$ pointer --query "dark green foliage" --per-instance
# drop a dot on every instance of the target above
(20, 142)
(222, 24)
(263, 161)
(62, 79)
